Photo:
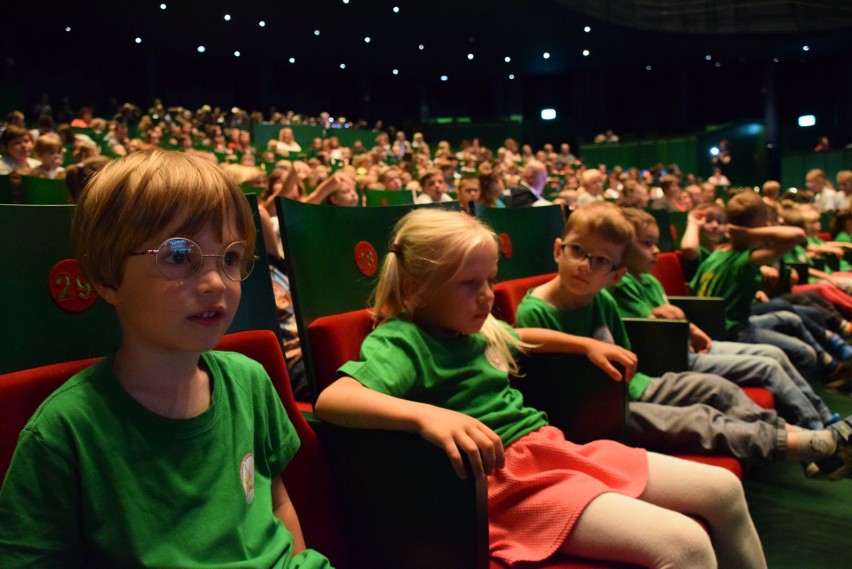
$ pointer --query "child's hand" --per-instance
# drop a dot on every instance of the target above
(696, 217)
(602, 353)
(453, 431)
(769, 275)
(699, 340)
(668, 312)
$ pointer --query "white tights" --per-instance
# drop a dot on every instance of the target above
(653, 531)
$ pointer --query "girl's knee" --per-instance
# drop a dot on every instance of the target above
(691, 547)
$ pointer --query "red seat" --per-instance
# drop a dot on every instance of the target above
(669, 271)
(509, 294)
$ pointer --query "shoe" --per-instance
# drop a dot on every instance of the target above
(840, 375)
(834, 418)
(839, 464)
(840, 387)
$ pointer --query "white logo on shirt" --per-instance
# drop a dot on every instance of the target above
(603, 334)
(247, 476)
(493, 357)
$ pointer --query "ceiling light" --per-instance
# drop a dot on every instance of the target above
(807, 120)
(343, 66)
(548, 114)
(511, 75)
(292, 60)
(806, 48)
(227, 17)
(420, 47)
(587, 29)
(162, 6)
(316, 32)
(201, 49)
(67, 28)
(585, 53)
(444, 77)
(396, 9)
(138, 40)
(367, 39)
(470, 56)
(396, 71)
(507, 59)
(236, 54)
(546, 55)
(262, 24)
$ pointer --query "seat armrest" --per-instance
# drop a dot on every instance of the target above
(402, 502)
(706, 312)
(661, 345)
(578, 397)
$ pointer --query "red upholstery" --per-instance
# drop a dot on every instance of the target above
(761, 396)
(669, 272)
(509, 294)
(335, 340)
(307, 477)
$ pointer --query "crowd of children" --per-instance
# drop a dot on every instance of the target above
(437, 363)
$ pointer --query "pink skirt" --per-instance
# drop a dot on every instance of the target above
(534, 502)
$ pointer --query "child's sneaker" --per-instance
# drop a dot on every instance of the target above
(839, 464)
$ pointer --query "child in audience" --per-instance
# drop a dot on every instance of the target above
(438, 364)
(433, 187)
(679, 412)
(48, 150)
(16, 145)
(640, 295)
(733, 272)
(164, 453)
(468, 194)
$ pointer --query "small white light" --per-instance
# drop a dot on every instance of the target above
(346, 1)
(367, 39)
(718, 64)
(548, 114)
(469, 56)
(138, 40)
(316, 32)
(396, 71)
(585, 53)
(806, 48)
(507, 59)
(396, 9)
(201, 49)
(546, 55)
(162, 6)
(511, 76)
(714, 151)
(262, 24)
(807, 120)
(227, 17)
(292, 60)
(421, 47)
(236, 54)
(587, 29)
(343, 66)
(648, 68)
(444, 77)
(708, 57)
(775, 60)
(67, 28)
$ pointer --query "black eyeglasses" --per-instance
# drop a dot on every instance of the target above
(597, 263)
(179, 258)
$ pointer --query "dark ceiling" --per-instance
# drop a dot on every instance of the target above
(316, 53)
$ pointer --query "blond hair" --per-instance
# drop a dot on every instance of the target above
(429, 246)
(132, 199)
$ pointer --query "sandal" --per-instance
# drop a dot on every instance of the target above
(839, 464)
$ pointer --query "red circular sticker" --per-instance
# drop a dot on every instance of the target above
(506, 245)
(366, 258)
(69, 289)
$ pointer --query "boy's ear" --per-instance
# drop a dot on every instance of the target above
(108, 293)
(618, 274)
(557, 249)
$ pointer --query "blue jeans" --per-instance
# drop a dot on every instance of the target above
(769, 367)
(785, 330)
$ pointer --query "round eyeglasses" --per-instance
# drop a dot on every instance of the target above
(598, 264)
(178, 258)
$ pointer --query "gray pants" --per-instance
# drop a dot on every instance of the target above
(702, 413)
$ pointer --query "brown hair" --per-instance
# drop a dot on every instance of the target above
(745, 209)
(602, 219)
(133, 198)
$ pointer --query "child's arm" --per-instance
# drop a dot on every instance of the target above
(284, 511)
(599, 353)
(768, 244)
(691, 240)
(348, 403)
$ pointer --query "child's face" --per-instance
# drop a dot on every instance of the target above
(20, 148)
(468, 192)
(434, 186)
(51, 159)
(645, 250)
(577, 279)
(162, 316)
(714, 228)
(462, 304)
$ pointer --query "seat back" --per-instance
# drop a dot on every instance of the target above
(388, 197)
(509, 294)
(663, 220)
(35, 190)
(5, 189)
(333, 255)
(526, 238)
(669, 272)
(54, 315)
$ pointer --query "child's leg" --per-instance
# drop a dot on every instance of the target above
(803, 356)
(651, 532)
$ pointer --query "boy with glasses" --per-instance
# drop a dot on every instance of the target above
(164, 453)
(679, 412)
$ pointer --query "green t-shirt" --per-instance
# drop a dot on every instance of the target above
(599, 320)
(98, 480)
(729, 273)
(843, 237)
(843, 265)
(401, 359)
(638, 297)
